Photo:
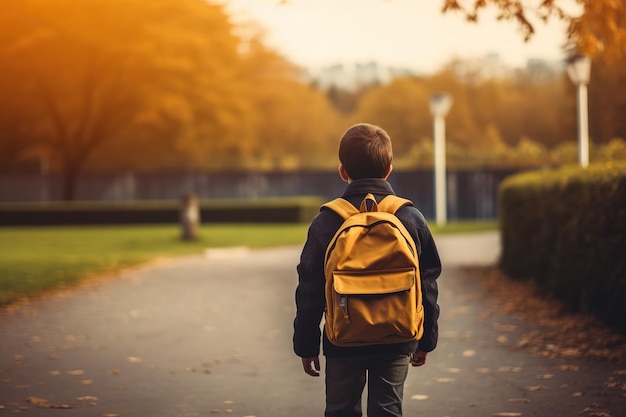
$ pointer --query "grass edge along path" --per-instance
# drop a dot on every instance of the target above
(36, 260)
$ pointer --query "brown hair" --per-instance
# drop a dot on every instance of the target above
(365, 151)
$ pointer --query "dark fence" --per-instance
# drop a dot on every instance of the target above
(471, 194)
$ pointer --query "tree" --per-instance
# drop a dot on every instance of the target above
(607, 105)
(288, 118)
(16, 133)
(401, 108)
(89, 71)
(598, 30)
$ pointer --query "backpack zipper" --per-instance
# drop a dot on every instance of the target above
(343, 303)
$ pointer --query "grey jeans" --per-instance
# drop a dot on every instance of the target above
(346, 378)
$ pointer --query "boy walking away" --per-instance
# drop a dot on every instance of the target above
(369, 265)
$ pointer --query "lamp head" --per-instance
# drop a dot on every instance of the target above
(579, 69)
(440, 103)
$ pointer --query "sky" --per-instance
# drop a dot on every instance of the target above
(412, 34)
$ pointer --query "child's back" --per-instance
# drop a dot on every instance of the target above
(365, 154)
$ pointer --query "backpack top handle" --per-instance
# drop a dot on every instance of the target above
(345, 209)
(374, 205)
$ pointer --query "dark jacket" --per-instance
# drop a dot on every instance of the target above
(310, 296)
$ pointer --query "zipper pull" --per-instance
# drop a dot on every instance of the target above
(343, 303)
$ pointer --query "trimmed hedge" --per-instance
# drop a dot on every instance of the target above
(278, 210)
(567, 229)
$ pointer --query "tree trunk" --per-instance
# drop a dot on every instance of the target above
(70, 180)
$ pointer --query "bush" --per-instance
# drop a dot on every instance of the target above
(567, 229)
(270, 210)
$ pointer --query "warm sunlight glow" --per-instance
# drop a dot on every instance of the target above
(408, 33)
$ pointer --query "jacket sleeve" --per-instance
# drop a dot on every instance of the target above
(310, 299)
(430, 269)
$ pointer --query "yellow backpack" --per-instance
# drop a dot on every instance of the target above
(373, 290)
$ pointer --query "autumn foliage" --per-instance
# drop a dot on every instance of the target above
(595, 27)
(112, 84)
(174, 84)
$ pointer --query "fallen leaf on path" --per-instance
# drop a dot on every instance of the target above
(87, 381)
(593, 411)
(419, 397)
(39, 402)
(519, 400)
(54, 373)
(507, 414)
(469, 353)
(444, 380)
(61, 406)
(76, 372)
(573, 352)
(135, 359)
(536, 388)
(87, 398)
(43, 403)
(615, 383)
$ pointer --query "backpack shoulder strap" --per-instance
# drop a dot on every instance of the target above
(393, 203)
(342, 207)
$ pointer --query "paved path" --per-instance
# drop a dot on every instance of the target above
(211, 335)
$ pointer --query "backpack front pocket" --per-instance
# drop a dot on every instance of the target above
(374, 307)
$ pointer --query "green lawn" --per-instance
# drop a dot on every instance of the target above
(38, 259)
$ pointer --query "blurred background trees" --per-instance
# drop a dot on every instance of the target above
(92, 73)
(121, 85)
(595, 27)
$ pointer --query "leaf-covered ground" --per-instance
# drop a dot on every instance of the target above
(553, 331)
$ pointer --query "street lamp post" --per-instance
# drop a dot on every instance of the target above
(439, 105)
(579, 69)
